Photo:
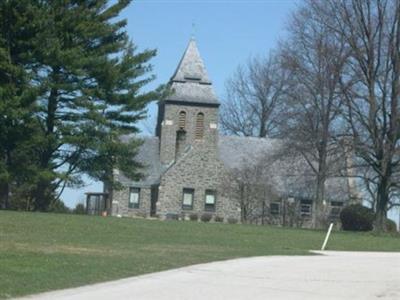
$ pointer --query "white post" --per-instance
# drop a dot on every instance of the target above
(327, 237)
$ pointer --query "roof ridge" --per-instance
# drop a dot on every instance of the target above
(250, 137)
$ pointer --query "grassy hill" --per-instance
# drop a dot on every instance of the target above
(40, 252)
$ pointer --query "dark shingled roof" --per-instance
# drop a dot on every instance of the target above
(236, 151)
(291, 177)
(190, 82)
(149, 156)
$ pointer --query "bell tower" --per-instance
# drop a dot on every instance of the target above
(188, 116)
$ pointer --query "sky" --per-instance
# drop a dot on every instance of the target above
(227, 34)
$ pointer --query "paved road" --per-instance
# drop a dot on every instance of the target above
(335, 275)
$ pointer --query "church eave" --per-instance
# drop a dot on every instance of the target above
(191, 103)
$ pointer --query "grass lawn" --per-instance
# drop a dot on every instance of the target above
(40, 252)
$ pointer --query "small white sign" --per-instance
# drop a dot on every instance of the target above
(213, 126)
(169, 122)
(187, 199)
(210, 199)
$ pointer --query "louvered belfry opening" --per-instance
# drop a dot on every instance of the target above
(182, 113)
(182, 120)
(199, 126)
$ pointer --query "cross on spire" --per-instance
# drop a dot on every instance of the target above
(193, 30)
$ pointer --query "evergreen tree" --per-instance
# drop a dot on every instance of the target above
(89, 78)
(17, 126)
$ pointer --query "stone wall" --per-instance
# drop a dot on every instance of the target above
(120, 203)
(169, 127)
(198, 169)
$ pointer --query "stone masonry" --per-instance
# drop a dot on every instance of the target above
(187, 152)
(183, 160)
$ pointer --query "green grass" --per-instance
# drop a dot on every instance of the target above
(40, 252)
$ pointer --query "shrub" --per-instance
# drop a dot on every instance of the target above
(357, 218)
(206, 217)
(391, 225)
(232, 220)
(59, 207)
(171, 216)
(193, 217)
(218, 219)
(141, 214)
(79, 209)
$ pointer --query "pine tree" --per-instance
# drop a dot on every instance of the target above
(17, 126)
(89, 77)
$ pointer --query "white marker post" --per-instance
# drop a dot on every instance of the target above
(327, 237)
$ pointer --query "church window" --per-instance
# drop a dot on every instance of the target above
(182, 120)
(336, 207)
(187, 202)
(134, 197)
(275, 208)
(199, 126)
(210, 200)
(305, 207)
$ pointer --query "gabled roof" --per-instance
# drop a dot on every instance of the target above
(149, 156)
(190, 82)
(290, 176)
(237, 152)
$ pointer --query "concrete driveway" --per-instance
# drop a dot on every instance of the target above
(334, 275)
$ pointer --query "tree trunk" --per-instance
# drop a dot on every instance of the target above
(5, 186)
(263, 129)
(42, 196)
(381, 205)
(263, 213)
(243, 212)
(4, 195)
(380, 218)
(318, 213)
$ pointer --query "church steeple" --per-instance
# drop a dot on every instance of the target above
(188, 116)
(190, 82)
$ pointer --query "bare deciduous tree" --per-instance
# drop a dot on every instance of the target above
(312, 111)
(343, 57)
(252, 186)
(371, 29)
(253, 98)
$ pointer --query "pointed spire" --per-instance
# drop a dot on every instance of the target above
(191, 66)
(190, 82)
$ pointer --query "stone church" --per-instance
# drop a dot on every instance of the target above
(188, 164)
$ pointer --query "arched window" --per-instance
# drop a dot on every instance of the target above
(199, 126)
(182, 120)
